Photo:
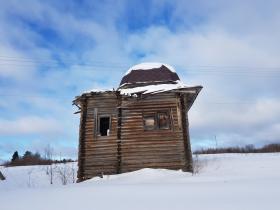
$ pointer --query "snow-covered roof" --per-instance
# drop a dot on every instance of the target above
(152, 89)
(147, 89)
(147, 78)
(96, 91)
(149, 73)
(148, 66)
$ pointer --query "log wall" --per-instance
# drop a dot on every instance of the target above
(151, 148)
(100, 152)
(129, 147)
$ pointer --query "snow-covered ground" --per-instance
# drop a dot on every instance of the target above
(31, 177)
(224, 182)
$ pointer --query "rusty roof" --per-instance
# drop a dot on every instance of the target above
(161, 74)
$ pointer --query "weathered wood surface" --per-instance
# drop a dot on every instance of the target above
(82, 139)
(100, 154)
(186, 136)
(129, 147)
(151, 148)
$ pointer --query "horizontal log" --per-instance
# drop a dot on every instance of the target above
(154, 143)
(146, 149)
(137, 167)
(148, 156)
(100, 144)
(100, 163)
(107, 160)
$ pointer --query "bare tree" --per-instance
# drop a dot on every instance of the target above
(48, 151)
(29, 173)
(198, 164)
(73, 172)
(65, 173)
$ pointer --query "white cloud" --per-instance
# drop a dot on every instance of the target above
(237, 124)
(227, 38)
(31, 125)
(240, 100)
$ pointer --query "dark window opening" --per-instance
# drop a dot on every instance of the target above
(104, 126)
(163, 121)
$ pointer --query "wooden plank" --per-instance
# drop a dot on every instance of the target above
(81, 161)
(119, 136)
(186, 137)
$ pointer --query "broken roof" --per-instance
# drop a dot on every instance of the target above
(149, 73)
(148, 78)
(157, 88)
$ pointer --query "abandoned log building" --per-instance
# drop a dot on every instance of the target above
(142, 124)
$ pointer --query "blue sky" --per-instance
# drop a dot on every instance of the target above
(51, 51)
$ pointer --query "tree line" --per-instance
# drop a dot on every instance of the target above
(246, 149)
(30, 158)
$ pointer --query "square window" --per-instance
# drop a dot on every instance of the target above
(158, 120)
(163, 120)
(149, 122)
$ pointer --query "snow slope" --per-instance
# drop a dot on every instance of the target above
(225, 182)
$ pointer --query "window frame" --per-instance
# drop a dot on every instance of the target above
(168, 120)
(156, 115)
(146, 128)
(98, 125)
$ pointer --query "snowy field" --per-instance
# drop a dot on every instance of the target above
(224, 182)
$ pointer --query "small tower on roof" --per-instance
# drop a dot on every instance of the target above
(148, 74)
(142, 124)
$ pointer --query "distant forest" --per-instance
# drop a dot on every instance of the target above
(246, 149)
(29, 158)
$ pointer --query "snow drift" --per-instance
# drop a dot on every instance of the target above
(224, 182)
